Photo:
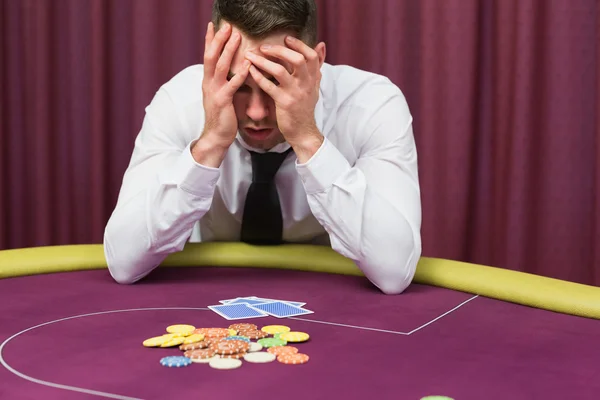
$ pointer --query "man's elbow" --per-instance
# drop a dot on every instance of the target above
(393, 271)
(120, 267)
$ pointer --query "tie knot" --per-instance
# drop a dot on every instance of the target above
(266, 165)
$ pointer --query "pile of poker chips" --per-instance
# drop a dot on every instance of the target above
(224, 348)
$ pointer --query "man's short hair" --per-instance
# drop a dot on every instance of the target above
(260, 18)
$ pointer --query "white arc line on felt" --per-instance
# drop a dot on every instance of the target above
(443, 315)
(384, 330)
(73, 388)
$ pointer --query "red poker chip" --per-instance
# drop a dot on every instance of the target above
(199, 354)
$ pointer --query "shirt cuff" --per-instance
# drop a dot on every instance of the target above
(323, 168)
(196, 179)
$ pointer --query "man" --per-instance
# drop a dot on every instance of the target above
(266, 143)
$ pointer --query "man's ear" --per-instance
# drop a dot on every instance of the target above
(321, 52)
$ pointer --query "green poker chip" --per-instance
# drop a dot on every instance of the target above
(271, 342)
(436, 398)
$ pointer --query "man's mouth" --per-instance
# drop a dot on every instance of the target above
(258, 134)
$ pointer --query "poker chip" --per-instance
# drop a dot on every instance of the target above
(254, 334)
(279, 350)
(260, 357)
(294, 337)
(244, 338)
(236, 356)
(274, 329)
(436, 398)
(173, 342)
(232, 332)
(243, 327)
(182, 329)
(195, 346)
(154, 341)
(175, 361)
(255, 347)
(213, 333)
(193, 338)
(225, 363)
(203, 360)
(271, 342)
(293, 359)
(226, 347)
(200, 353)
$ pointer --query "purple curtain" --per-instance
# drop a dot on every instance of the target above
(505, 95)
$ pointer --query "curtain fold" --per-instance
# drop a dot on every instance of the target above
(505, 96)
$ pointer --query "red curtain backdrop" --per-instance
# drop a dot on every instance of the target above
(505, 95)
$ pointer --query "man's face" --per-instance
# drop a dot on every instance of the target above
(255, 110)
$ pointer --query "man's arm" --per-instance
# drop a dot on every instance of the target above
(164, 192)
(372, 210)
(170, 183)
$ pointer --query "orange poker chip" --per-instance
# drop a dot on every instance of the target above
(293, 359)
(213, 333)
(200, 354)
(243, 327)
(195, 346)
(279, 350)
(253, 334)
(225, 347)
(236, 356)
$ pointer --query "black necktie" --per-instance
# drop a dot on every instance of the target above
(262, 222)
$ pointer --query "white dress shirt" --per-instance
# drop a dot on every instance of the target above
(359, 193)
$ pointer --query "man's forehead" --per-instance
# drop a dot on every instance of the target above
(253, 45)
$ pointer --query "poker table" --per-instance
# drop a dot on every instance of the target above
(466, 331)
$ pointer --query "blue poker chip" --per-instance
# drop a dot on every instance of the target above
(175, 361)
(243, 338)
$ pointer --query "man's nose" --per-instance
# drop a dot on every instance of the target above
(258, 107)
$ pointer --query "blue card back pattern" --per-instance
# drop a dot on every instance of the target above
(280, 309)
(237, 311)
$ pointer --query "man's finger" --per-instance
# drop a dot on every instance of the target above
(278, 71)
(210, 34)
(265, 84)
(213, 51)
(224, 63)
(311, 56)
(294, 58)
(238, 79)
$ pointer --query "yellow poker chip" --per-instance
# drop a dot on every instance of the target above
(194, 338)
(232, 332)
(154, 341)
(184, 330)
(294, 337)
(274, 329)
(173, 342)
(170, 336)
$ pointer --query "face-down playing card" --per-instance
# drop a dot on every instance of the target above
(280, 309)
(237, 311)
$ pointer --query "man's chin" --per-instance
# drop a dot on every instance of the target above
(260, 140)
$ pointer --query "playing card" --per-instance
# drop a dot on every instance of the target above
(237, 311)
(244, 300)
(280, 309)
(260, 300)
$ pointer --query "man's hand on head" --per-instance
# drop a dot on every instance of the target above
(221, 125)
(294, 92)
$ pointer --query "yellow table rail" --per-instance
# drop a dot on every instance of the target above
(502, 284)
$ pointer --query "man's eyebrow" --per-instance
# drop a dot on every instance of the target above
(230, 75)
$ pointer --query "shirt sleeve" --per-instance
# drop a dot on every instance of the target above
(163, 194)
(371, 210)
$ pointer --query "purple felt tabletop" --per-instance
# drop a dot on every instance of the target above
(79, 335)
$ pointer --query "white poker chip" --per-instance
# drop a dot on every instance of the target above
(225, 363)
(260, 357)
(255, 347)
(203, 360)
